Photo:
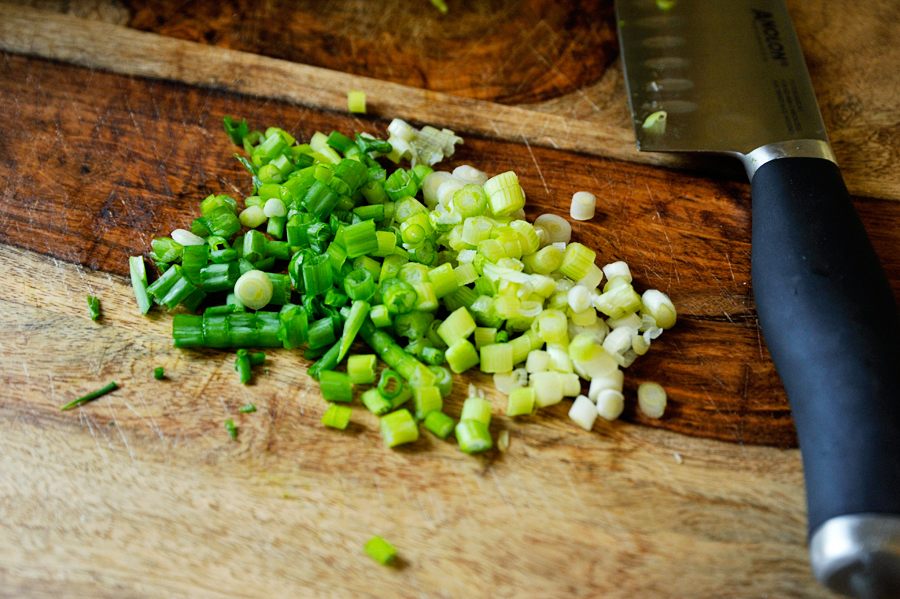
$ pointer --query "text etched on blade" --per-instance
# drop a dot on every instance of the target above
(769, 36)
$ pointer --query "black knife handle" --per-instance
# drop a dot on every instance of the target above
(831, 324)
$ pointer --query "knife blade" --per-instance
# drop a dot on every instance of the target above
(728, 77)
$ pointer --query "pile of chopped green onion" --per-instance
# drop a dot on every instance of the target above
(435, 271)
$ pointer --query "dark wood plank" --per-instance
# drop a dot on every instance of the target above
(514, 52)
(593, 120)
(97, 164)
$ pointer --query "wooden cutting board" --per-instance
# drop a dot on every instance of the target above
(113, 136)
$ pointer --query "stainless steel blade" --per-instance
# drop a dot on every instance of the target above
(729, 74)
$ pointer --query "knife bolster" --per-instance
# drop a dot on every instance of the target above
(858, 555)
(797, 148)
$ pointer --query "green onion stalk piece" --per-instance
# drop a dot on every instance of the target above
(247, 408)
(90, 396)
(139, 282)
(376, 402)
(398, 428)
(242, 365)
(337, 416)
(361, 368)
(473, 436)
(159, 373)
(439, 423)
(231, 428)
(336, 386)
(93, 307)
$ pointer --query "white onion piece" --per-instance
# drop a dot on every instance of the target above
(639, 344)
(529, 309)
(520, 213)
(446, 190)
(254, 289)
(584, 318)
(615, 380)
(466, 256)
(403, 130)
(658, 305)
(571, 385)
(610, 404)
(632, 320)
(598, 330)
(558, 228)
(599, 366)
(592, 279)
(584, 204)
(617, 269)
(618, 341)
(579, 299)
(652, 333)
(469, 174)
(538, 361)
(652, 399)
(430, 185)
(401, 149)
(559, 359)
(647, 321)
(548, 388)
(274, 207)
(507, 382)
(563, 285)
(543, 237)
(583, 412)
(185, 237)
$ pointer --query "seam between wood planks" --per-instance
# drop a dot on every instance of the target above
(119, 49)
(126, 51)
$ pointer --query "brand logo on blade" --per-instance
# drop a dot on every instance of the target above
(769, 37)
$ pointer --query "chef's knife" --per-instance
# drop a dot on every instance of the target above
(730, 77)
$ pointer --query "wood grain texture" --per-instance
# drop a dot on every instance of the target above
(164, 504)
(117, 161)
(593, 119)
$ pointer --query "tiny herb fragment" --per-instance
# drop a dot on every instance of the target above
(232, 429)
(90, 396)
(159, 373)
(94, 306)
(380, 550)
(440, 5)
(247, 409)
(356, 102)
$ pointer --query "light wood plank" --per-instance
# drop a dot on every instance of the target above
(164, 504)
